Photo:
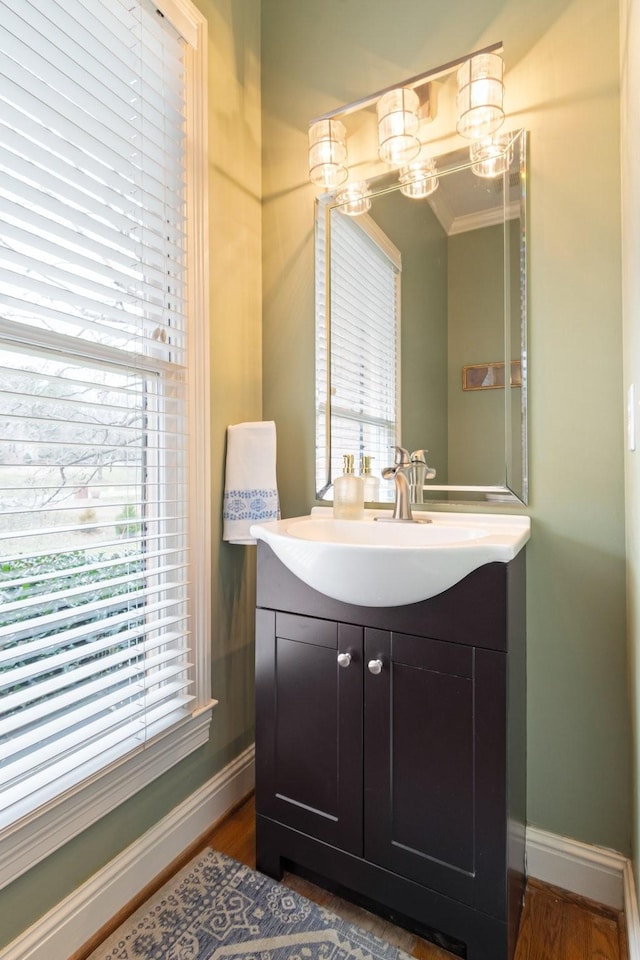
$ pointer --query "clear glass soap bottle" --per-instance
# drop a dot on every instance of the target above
(371, 483)
(348, 493)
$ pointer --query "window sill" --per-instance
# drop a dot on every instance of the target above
(33, 838)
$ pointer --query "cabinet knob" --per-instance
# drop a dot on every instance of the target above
(375, 666)
(344, 659)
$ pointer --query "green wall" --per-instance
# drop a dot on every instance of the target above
(235, 241)
(476, 335)
(561, 60)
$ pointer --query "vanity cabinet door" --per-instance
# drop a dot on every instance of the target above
(309, 726)
(435, 793)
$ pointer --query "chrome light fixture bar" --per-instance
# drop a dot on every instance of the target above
(413, 83)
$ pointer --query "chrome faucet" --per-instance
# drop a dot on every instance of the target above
(399, 474)
(405, 466)
(420, 472)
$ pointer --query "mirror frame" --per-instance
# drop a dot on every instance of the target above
(448, 493)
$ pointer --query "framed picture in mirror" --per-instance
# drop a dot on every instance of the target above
(490, 376)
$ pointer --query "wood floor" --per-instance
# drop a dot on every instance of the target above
(556, 925)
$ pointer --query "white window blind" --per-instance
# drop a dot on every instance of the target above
(364, 333)
(94, 482)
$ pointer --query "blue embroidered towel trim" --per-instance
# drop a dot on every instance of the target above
(251, 505)
(251, 492)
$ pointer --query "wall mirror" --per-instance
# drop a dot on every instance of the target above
(421, 326)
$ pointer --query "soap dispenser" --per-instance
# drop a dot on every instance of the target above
(348, 493)
(371, 483)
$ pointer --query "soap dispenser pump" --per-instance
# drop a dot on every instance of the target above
(371, 482)
(348, 493)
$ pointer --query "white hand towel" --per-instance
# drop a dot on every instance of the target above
(251, 491)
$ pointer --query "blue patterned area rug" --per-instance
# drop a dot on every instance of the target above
(218, 908)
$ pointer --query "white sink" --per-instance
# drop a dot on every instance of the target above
(381, 564)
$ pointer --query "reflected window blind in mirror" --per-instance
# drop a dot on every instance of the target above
(364, 325)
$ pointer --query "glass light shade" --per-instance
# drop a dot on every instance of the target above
(419, 179)
(328, 153)
(354, 199)
(398, 125)
(491, 157)
(480, 96)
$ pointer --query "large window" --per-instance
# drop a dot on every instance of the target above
(103, 408)
(364, 363)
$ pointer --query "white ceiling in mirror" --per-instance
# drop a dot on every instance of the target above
(470, 202)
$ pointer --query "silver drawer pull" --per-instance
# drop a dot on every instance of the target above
(375, 666)
(344, 659)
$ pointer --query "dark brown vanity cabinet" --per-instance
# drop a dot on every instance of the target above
(309, 732)
(390, 754)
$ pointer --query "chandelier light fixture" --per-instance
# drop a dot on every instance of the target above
(402, 114)
(480, 96)
(419, 179)
(355, 199)
(328, 153)
(493, 156)
(398, 125)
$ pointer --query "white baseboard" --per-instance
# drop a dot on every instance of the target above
(593, 872)
(589, 871)
(72, 922)
(631, 913)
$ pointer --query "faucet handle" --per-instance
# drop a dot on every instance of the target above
(401, 458)
(419, 456)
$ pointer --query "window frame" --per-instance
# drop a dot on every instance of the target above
(37, 835)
